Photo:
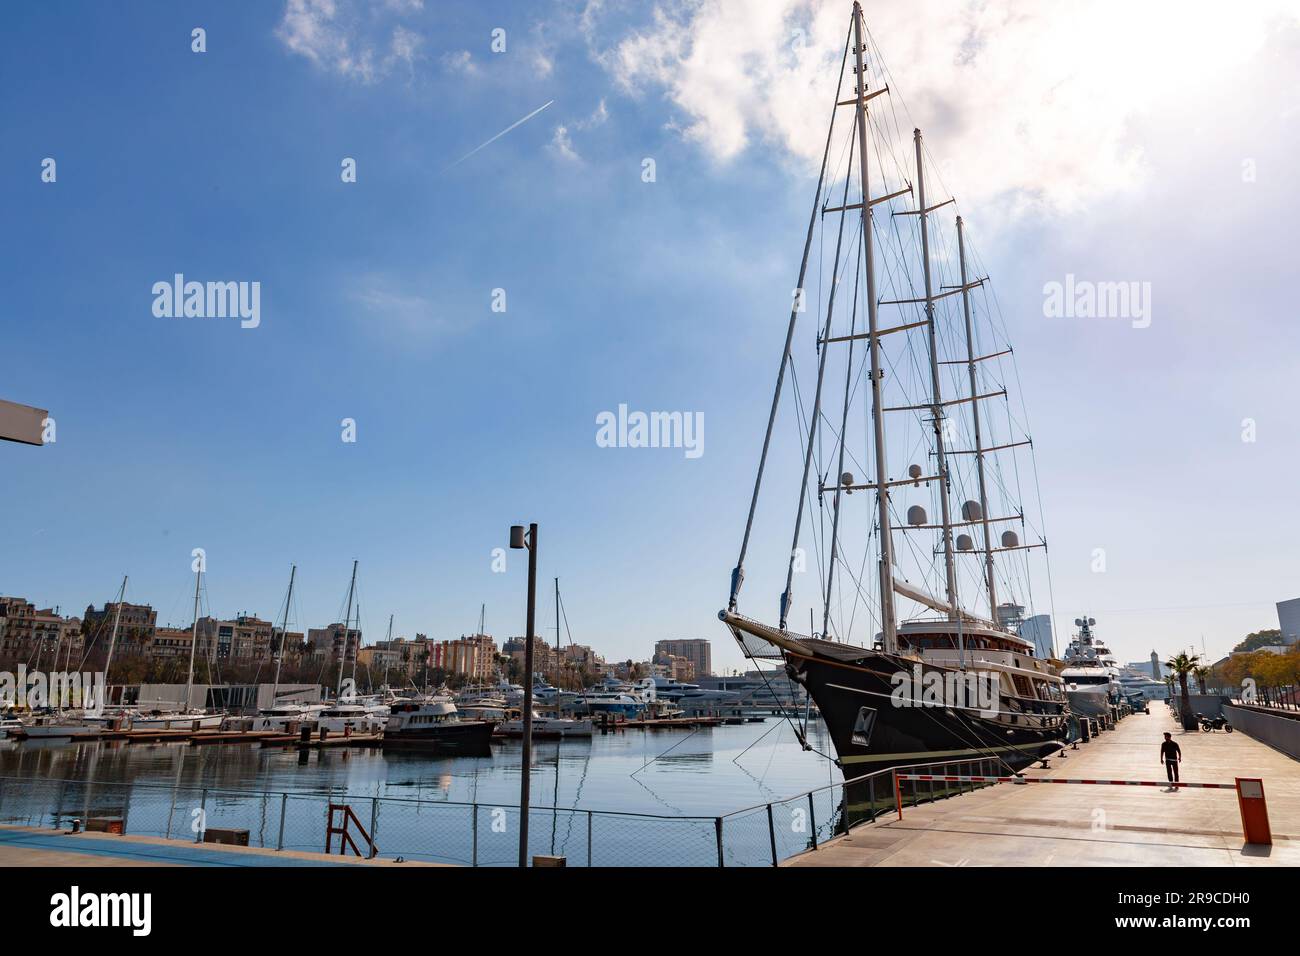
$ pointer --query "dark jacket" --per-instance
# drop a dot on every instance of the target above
(1169, 750)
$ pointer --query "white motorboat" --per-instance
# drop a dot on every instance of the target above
(546, 727)
(287, 717)
(349, 718)
(483, 708)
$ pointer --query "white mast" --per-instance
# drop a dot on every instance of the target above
(950, 570)
(357, 652)
(887, 620)
(112, 640)
(284, 633)
(975, 417)
(194, 637)
(389, 642)
(343, 655)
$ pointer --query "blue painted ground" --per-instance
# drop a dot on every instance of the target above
(183, 855)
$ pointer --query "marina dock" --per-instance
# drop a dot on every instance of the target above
(1095, 825)
(29, 846)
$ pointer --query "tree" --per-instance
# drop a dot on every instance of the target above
(1183, 664)
(1201, 673)
(1270, 637)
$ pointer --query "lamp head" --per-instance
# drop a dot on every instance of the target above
(517, 537)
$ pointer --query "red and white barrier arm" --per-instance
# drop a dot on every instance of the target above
(1114, 783)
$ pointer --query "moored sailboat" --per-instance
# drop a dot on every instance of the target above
(934, 677)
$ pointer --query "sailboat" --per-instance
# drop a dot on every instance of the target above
(913, 661)
(188, 717)
(77, 724)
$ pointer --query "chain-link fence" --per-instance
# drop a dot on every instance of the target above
(481, 834)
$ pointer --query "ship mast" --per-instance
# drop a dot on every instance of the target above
(284, 633)
(194, 637)
(975, 419)
(112, 640)
(343, 656)
(888, 623)
(950, 570)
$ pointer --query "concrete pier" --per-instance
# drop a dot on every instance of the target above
(1082, 825)
(30, 846)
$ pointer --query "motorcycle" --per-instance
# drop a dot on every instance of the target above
(1209, 724)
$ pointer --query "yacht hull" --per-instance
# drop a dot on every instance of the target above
(870, 732)
(178, 722)
(60, 732)
(1086, 703)
(873, 727)
(461, 737)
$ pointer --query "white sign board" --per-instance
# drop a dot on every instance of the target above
(22, 423)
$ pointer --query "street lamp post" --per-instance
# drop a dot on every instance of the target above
(518, 540)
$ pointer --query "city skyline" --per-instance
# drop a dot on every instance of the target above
(376, 303)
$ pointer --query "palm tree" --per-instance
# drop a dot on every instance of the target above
(1201, 673)
(1183, 664)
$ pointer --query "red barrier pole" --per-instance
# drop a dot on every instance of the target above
(1254, 812)
(898, 796)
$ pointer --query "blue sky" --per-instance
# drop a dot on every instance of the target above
(376, 306)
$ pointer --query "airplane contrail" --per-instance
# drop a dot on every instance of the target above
(519, 122)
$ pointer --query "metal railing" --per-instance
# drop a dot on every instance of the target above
(485, 834)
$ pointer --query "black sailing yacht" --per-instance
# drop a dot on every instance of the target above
(918, 340)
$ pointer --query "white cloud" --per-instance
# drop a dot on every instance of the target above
(460, 61)
(562, 142)
(349, 39)
(1033, 100)
(543, 65)
(392, 311)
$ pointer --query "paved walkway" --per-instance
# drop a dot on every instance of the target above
(28, 846)
(1069, 825)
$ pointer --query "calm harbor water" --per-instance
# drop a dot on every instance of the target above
(663, 774)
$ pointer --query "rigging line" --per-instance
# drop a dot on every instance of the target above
(844, 420)
(803, 740)
(736, 758)
(812, 424)
(801, 429)
(738, 575)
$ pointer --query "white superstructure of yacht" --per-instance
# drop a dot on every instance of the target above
(1090, 675)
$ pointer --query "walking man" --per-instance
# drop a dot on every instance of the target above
(1171, 755)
